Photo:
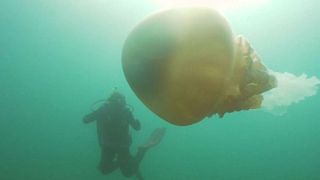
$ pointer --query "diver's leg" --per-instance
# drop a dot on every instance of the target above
(140, 154)
(139, 175)
(107, 162)
(134, 162)
(127, 163)
(130, 165)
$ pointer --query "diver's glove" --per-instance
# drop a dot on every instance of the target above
(87, 119)
(136, 124)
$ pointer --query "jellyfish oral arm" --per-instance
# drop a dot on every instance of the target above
(249, 80)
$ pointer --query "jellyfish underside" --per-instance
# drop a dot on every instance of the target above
(185, 65)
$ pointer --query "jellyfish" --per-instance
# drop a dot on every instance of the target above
(185, 64)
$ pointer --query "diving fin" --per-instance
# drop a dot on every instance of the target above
(155, 138)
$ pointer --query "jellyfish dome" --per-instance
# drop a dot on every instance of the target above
(185, 64)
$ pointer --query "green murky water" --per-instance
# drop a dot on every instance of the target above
(58, 57)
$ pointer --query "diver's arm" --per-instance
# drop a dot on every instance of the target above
(89, 118)
(135, 123)
(93, 115)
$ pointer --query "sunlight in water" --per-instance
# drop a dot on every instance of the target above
(222, 5)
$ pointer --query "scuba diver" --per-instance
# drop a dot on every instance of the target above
(113, 119)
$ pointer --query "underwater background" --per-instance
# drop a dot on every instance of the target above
(58, 57)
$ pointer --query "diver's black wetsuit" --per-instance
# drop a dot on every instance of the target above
(114, 139)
